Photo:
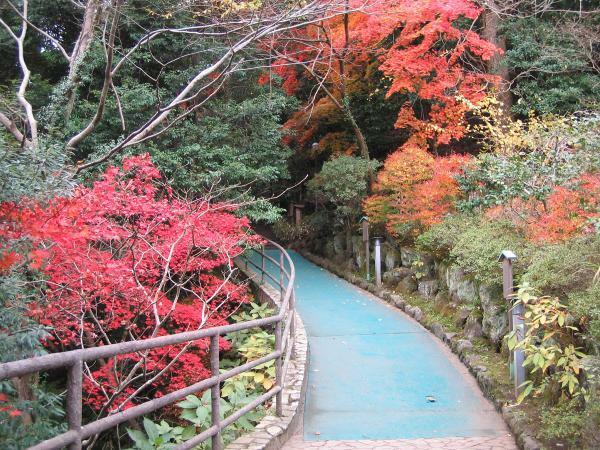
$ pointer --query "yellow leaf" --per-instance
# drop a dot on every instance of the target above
(259, 377)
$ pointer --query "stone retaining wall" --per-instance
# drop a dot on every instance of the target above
(482, 309)
(272, 431)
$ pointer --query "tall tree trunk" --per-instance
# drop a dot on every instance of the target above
(495, 64)
(91, 15)
(360, 137)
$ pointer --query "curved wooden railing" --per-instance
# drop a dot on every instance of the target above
(283, 321)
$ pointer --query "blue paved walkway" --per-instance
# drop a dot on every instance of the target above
(372, 369)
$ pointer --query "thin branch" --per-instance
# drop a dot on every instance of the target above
(42, 32)
(310, 13)
(11, 127)
(32, 122)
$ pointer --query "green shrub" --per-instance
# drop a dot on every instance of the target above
(477, 248)
(528, 159)
(585, 306)
(442, 237)
(287, 232)
(562, 423)
(343, 182)
(341, 186)
(474, 244)
(321, 223)
(564, 268)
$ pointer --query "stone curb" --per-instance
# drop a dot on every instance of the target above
(461, 347)
(272, 431)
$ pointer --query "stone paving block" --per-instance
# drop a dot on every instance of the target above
(472, 443)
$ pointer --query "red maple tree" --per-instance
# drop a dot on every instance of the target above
(427, 51)
(126, 259)
(433, 60)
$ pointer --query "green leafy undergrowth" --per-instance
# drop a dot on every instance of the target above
(250, 345)
(159, 436)
(434, 313)
(562, 424)
(261, 377)
(196, 417)
(198, 411)
(236, 392)
(551, 356)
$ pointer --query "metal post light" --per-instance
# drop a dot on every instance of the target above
(378, 260)
(515, 317)
(365, 238)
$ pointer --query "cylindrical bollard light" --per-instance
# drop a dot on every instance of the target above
(515, 319)
(378, 260)
(518, 354)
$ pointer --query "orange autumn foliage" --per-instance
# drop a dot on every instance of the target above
(568, 211)
(415, 189)
(421, 50)
(427, 60)
(304, 127)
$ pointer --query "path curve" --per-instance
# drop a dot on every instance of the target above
(375, 374)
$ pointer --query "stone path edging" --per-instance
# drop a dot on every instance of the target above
(460, 347)
(272, 431)
(465, 443)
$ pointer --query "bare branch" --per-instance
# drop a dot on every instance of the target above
(251, 31)
(12, 129)
(42, 32)
(20, 94)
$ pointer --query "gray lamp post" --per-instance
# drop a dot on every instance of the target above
(515, 317)
(378, 240)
